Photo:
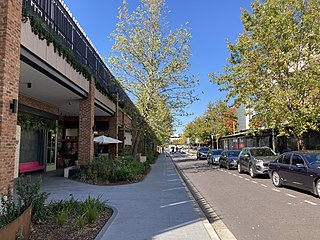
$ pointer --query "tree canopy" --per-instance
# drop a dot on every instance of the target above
(274, 66)
(217, 121)
(151, 61)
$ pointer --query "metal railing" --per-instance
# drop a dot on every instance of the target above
(60, 22)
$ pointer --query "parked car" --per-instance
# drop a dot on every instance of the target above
(229, 159)
(213, 156)
(297, 169)
(255, 160)
(202, 153)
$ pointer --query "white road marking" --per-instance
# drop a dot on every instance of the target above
(229, 172)
(254, 182)
(274, 189)
(240, 177)
(234, 175)
(225, 171)
(312, 203)
(264, 185)
(289, 195)
(246, 179)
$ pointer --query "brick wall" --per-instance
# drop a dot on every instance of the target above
(30, 102)
(86, 122)
(10, 28)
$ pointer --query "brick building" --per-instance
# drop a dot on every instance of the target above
(56, 93)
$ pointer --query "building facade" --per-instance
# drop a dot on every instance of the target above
(56, 92)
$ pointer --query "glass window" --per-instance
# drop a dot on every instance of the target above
(216, 152)
(262, 152)
(234, 153)
(313, 159)
(286, 159)
(296, 159)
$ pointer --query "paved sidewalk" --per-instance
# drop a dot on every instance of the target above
(160, 207)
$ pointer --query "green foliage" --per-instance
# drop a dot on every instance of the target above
(152, 62)
(112, 170)
(28, 192)
(9, 210)
(218, 120)
(80, 223)
(87, 211)
(28, 121)
(61, 218)
(39, 28)
(274, 66)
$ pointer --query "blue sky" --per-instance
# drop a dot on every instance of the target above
(212, 22)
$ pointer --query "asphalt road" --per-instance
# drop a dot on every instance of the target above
(253, 208)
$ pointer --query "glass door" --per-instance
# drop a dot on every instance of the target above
(51, 151)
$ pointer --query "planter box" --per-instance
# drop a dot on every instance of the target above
(19, 225)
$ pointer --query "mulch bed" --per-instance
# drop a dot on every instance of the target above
(50, 231)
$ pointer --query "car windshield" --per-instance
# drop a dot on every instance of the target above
(204, 149)
(262, 152)
(217, 152)
(313, 159)
(234, 153)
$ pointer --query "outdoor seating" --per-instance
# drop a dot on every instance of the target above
(30, 167)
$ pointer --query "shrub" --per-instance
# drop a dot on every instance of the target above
(9, 210)
(81, 222)
(28, 192)
(112, 170)
(61, 218)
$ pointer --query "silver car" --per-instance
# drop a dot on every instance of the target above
(213, 156)
(255, 160)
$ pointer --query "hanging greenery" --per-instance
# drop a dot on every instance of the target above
(39, 28)
(28, 121)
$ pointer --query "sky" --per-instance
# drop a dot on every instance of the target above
(212, 22)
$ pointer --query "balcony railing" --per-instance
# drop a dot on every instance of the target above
(60, 22)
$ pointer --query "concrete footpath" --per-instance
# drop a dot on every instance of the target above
(160, 207)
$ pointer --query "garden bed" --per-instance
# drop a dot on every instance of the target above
(49, 230)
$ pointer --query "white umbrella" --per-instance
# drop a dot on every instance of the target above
(106, 140)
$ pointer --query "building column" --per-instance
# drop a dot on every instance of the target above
(113, 131)
(10, 38)
(86, 123)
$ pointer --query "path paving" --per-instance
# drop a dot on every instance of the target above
(160, 207)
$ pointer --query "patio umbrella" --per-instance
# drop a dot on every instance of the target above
(106, 140)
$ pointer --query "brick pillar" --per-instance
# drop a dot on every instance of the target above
(86, 122)
(113, 130)
(10, 34)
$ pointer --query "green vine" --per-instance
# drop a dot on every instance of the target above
(28, 121)
(39, 28)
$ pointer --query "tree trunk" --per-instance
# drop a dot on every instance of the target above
(300, 143)
(217, 139)
(135, 143)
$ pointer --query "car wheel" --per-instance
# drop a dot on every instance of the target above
(228, 166)
(318, 188)
(239, 168)
(251, 171)
(277, 181)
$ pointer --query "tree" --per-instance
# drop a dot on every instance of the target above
(219, 120)
(151, 61)
(274, 66)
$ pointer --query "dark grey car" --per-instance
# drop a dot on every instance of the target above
(229, 159)
(202, 153)
(255, 160)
